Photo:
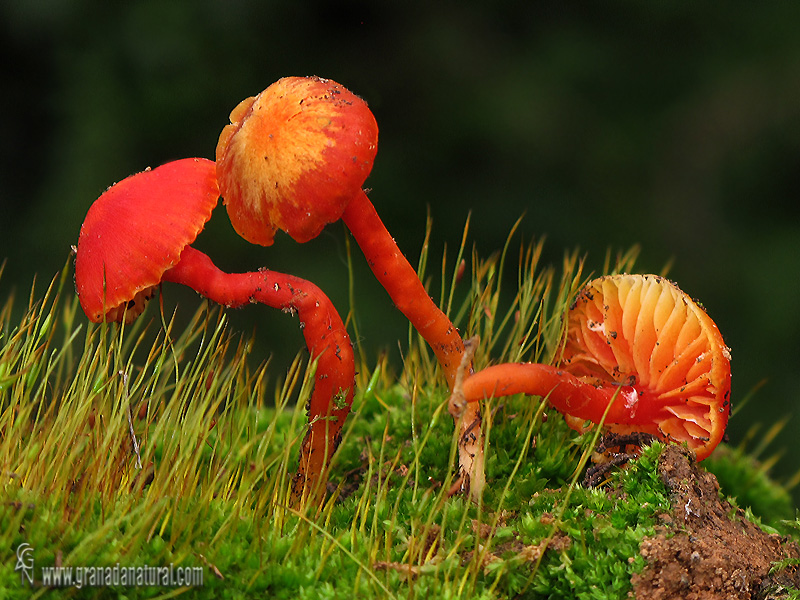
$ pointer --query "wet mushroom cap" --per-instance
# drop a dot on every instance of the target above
(136, 230)
(293, 157)
(643, 331)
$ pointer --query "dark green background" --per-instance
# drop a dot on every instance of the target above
(610, 124)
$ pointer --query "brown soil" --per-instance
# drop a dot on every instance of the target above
(706, 549)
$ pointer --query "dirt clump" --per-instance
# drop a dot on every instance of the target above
(706, 549)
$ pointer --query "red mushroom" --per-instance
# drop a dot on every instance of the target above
(294, 158)
(138, 235)
(136, 231)
(639, 341)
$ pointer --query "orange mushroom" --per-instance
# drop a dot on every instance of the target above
(294, 158)
(637, 341)
(138, 234)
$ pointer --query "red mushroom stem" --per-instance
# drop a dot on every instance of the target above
(400, 280)
(565, 392)
(326, 338)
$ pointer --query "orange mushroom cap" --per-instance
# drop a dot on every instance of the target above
(643, 331)
(136, 230)
(293, 157)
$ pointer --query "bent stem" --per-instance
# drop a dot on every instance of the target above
(326, 339)
(567, 393)
(400, 280)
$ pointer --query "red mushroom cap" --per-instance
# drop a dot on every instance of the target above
(136, 231)
(293, 157)
(643, 331)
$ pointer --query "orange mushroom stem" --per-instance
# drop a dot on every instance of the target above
(138, 235)
(400, 280)
(637, 341)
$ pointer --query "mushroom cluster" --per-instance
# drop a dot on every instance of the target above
(293, 158)
(639, 355)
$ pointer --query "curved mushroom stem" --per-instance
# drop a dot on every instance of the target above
(400, 280)
(569, 394)
(326, 339)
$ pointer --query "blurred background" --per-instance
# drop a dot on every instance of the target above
(607, 125)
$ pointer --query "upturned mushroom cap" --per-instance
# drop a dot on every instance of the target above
(643, 331)
(136, 231)
(293, 157)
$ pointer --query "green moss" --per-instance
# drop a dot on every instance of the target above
(216, 459)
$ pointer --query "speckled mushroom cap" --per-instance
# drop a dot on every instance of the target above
(136, 231)
(642, 330)
(293, 157)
